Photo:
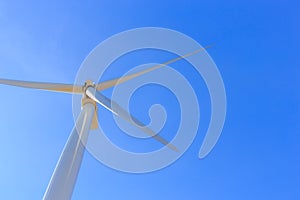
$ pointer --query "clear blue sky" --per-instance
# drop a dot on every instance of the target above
(256, 50)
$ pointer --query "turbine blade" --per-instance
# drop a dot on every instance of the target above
(111, 83)
(67, 88)
(116, 109)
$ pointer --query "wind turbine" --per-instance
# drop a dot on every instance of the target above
(64, 177)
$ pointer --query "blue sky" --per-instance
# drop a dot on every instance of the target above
(256, 50)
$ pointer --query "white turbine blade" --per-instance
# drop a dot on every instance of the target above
(66, 88)
(66, 171)
(91, 92)
(111, 83)
(119, 111)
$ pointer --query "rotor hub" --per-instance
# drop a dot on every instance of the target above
(86, 99)
(87, 84)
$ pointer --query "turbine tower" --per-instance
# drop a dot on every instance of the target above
(64, 177)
